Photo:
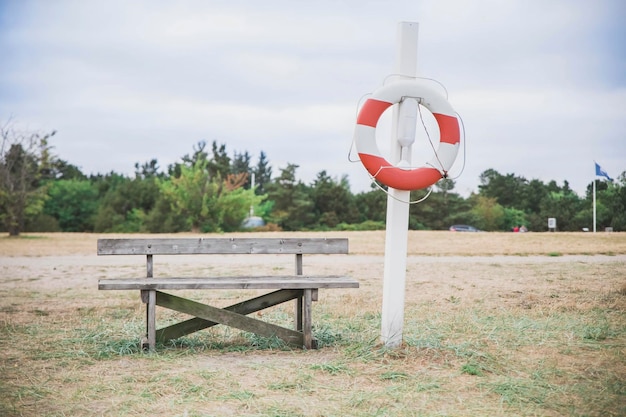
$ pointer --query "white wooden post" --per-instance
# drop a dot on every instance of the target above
(398, 200)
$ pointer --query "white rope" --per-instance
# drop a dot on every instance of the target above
(430, 190)
(464, 147)
(358, 106)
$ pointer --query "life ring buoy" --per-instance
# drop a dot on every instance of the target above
(365, 136)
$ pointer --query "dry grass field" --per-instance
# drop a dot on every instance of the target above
(496, 324)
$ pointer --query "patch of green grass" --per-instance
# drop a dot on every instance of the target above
(265, 343)
(425, 341)
(331, 368)
(240, 395)
(327, 336)
(426, 386)
(302, 382)
(363, 349)
(472, 369)
(393, 376)
(522, 391)
(597, 332)
(280, 411)
(191, 345)
(118, 347)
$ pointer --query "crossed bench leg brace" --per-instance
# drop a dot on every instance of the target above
(234, 316)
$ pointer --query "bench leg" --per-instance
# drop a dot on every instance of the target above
(306, 319)
(298, 314)
(149, 297)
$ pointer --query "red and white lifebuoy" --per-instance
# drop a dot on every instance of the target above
(365, 136)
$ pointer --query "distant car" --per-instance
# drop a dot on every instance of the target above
(463, 228)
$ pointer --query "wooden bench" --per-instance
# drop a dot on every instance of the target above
(301, 288)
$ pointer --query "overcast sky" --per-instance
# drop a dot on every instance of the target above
(540, 85)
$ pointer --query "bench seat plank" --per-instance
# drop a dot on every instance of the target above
(260, 282)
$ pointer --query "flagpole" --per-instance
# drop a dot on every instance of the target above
(594, 204)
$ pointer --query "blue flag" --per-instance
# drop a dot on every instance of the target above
(602, 173)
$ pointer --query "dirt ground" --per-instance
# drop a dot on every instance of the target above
(48, 278)
(59, 261)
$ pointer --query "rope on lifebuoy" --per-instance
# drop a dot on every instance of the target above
(403, 178)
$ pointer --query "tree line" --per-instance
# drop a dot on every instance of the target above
(209, 190)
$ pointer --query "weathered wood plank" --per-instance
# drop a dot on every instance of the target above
(298, 313)
(245, 307)
(151, 319)
(189, 246)
(260, 282)
(232, 319)
(307, 320)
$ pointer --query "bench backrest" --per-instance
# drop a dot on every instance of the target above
(191, 246)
